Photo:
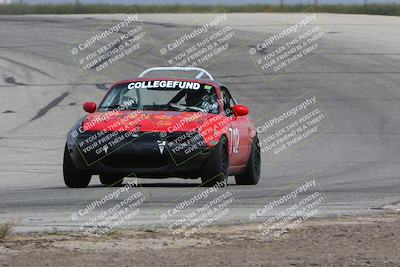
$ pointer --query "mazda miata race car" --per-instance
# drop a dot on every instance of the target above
(163, 127)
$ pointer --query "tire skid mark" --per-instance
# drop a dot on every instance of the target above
(11, 80)
(308, 72)
(27, 66)
(101, 86)
(58, 84)
(166, 25)
(49, 106)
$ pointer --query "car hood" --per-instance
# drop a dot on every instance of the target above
(145, 121)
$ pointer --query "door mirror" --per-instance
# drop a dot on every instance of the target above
(89, 107)
(240, 110)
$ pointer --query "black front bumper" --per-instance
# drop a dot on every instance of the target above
(140, 155)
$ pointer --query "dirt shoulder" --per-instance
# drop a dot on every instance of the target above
(345, 241)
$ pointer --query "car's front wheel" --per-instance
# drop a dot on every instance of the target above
(110, 180)
(216, 167)
(73, 177)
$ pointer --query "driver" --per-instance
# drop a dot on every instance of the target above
(194, 98)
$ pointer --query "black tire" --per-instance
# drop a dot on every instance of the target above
(251, 176)
(73, 177)
(216, 167)
(111, 180)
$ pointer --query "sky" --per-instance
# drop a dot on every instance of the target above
(233, 2)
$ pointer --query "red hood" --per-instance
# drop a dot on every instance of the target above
(145, 121)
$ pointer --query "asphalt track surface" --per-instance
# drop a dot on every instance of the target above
(356, 78)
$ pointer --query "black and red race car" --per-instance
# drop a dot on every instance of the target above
(163, 127)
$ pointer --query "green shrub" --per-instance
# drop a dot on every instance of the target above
(21, 9)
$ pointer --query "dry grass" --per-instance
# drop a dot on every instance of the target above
(5, 229)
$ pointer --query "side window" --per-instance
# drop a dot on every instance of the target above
(229, 102)
(233, 101)
(225, 98)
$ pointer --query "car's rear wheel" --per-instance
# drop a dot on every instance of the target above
(216, 167)
(111, 180)
(73, 177)
(251, 176)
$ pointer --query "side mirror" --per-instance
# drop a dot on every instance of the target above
(89, 107)
(240, 110)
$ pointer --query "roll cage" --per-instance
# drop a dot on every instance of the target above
(200, 72)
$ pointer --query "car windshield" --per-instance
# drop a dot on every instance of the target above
(162, 95)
